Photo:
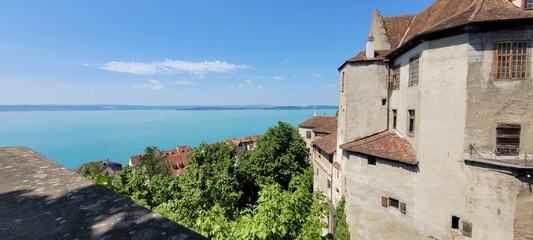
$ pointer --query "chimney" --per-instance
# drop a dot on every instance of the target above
(370, 47)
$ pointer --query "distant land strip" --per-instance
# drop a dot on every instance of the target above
(136, 107)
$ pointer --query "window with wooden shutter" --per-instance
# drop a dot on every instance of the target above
(511, 60)
(466, 228)
(384, 201)
(403, 208)
(508, 139)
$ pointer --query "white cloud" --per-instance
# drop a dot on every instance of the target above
(171, 67)
(152, 84)
(184, 82)
(277, 78)
(331, 85)
(317, 75)
(62, 85)
(252, 85)
(286, 61)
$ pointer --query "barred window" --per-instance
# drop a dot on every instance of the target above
(511, 60)
(529, 4)
(413, 70)
(394, 83)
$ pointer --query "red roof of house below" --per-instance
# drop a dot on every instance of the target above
(316, 121)
(388, 144)
(327, 143)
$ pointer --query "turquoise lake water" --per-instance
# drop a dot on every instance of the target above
(75, 137)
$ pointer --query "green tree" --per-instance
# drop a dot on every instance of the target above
(284, 214)
(209, 181)
(340, 225)
(280, 154)
(154, 162)
(92, 172)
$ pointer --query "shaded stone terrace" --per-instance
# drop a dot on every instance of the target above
(40, 199)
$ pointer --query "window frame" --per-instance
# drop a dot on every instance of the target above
(308, 134)
(529, 4)
(411, 121)
(508, 138)
(506, 70)
(394, 118)
(414, 70)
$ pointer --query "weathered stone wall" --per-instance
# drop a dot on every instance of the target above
(490, 203)
(361, 112)
(366, 184)
(523, 221)
(492, 101)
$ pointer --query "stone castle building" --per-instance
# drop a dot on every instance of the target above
(435, 134)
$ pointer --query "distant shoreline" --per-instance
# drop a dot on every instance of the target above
(13, 108)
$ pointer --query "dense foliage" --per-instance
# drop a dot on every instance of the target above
(341, 227)
(266, 194)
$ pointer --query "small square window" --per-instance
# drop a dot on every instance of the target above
(371, 160)
(383, 101)
(394, 203)
(455, 222)
(308, 134)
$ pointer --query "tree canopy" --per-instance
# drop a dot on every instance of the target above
(266, 194)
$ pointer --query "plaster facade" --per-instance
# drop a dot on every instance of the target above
(305, 132)
(457, 103)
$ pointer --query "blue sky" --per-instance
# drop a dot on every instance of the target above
(193, 52)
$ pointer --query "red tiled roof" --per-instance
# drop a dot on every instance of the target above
(316, 121)
(135, 159)
(442, 15)
(327, 143)
(255, 138)
(387, 145)
(395, 28)
(179, 160)
(233, 141)
(379, 55)
(327, 128)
